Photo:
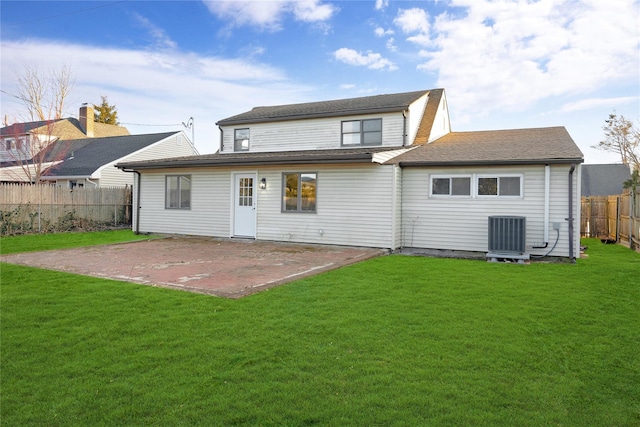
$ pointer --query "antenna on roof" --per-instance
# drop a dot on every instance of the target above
(190, 125)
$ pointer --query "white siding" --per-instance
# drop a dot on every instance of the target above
(461, 223)
(176, 145)
(312, 134)
(441, 125)
(354, 206)
(210, 204)
(414, 118)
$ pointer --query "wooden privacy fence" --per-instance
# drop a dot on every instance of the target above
(26, 208)
(615, 218)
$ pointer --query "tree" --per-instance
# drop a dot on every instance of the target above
(105, 113)
(44, 96)
(623, 138)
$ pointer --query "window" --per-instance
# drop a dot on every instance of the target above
(299, 192)
(10, 144)
(499, 186)
(241, 140)
(451, 186)
(362, 132)
(178, 192)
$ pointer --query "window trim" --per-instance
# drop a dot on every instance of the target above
(361, 132)
(299, 196)
(451, 176)
(238, 147)
(179, 192)
(498, 177)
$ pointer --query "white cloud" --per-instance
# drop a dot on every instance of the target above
(381, 4)
(153, 87)
(590, 103)
(162, 40)
(381, 32)
(510, 54)
(414, 20)
(371, 60)
(269, 14)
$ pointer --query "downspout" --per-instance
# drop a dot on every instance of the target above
(137, 230)
(547, 192)
(221, 138)
(404, 127)
(570, 219)
(95, 184)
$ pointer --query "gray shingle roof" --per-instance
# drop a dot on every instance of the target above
(340, 107)
(82, 157)
(604, 180)
(354, 155)
(513, 146)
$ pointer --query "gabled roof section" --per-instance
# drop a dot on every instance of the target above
(604, 180)
(82, 157)
(426, 124)
(341, 107)
(355, 155)
(496, 147)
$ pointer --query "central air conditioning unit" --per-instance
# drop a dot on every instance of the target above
(507, 235)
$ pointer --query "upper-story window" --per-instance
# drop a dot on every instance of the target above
(241, 140)
(362, 132)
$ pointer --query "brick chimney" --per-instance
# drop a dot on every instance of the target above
(86, 119)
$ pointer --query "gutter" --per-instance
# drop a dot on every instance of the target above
(426, 163)
(279, 160)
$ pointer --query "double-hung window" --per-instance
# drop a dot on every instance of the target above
(177, 192)
(241, 140)
(299, 192)
(362, 132)
(504, 186)
(450, 185)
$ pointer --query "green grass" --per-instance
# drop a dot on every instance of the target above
(43, 242)
(395, 340)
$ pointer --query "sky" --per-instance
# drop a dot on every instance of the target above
(504, 64)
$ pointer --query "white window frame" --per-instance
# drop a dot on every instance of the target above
(450, 176)
(167, 204)
(498, 177)
(361, 133)
(237, 143)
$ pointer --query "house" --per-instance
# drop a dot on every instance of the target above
(381, 171)
(20, 141)
(89, 161)
(604, 180)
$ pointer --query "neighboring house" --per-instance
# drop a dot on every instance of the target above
(89, 161)
(18, 140)
(604, 180)
(380, 171)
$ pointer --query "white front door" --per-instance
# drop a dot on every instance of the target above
(244, 224)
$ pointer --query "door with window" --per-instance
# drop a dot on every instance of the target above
(244, 224)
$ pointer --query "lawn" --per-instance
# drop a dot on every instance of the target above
(391, 341)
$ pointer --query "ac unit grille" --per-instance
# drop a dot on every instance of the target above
(507, 234)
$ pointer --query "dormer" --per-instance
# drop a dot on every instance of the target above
(385, 121)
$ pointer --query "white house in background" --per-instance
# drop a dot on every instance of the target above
(89, 161)
(380, 171)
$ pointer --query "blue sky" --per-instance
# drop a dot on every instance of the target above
(503, 63)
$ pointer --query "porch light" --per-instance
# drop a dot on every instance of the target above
(263, 183)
